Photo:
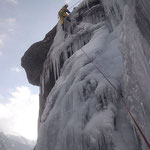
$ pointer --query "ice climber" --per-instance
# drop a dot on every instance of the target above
(63, 14)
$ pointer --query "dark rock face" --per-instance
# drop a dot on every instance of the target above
(34, 57)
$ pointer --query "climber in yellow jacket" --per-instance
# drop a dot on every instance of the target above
(63, 13)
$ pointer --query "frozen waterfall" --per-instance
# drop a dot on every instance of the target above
(80, 110)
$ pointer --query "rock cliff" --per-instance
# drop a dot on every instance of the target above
(34, 57)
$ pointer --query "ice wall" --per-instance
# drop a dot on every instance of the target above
(133, 19)
(83, 111)
(79, 109)
(78, 33)
(135, 42)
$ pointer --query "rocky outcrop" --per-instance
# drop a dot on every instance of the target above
(34, 57)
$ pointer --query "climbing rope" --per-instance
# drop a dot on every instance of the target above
(138, 127)
(122, 99)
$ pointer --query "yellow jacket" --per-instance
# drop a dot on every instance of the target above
(62, 12)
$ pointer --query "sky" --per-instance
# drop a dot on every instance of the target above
(22, 23)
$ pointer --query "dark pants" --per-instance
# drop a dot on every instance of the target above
(68, 19)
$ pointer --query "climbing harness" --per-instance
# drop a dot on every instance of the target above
(122, 99)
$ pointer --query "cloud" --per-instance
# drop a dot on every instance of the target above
(12, 1)
(11, 30)
(19, 116)
(2, 38)
(1, 42)
(11, 20)
(15, 69)
(7, 27)
(7, 22)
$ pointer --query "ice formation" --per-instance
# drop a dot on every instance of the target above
(80, 110)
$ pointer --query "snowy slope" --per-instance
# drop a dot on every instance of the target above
(83, 111)
(9, 142)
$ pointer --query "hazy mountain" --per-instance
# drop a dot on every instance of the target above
(10, 142)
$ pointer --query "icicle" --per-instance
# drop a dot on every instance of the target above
(87, 3)
(42, 86)
(114, 9)
(135, 134)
